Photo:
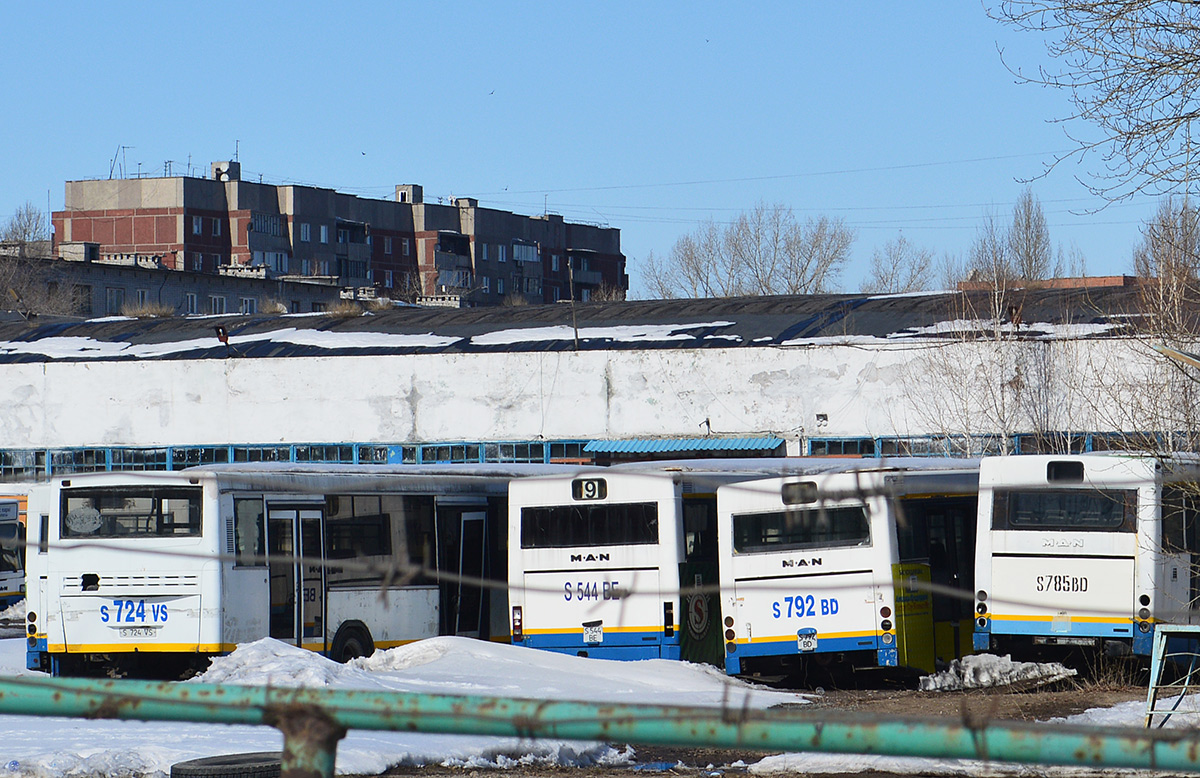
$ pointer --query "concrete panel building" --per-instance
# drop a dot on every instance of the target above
(402, 248)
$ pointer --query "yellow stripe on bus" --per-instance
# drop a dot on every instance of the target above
(607, 630)
(141, 648)
(820, 636)
(1083, 619)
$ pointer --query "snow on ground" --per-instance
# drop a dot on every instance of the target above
(52, 747)
(66, 748)
(983, 671)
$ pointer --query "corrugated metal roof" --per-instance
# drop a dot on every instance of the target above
(666, 445)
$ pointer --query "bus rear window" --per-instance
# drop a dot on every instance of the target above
(799, 529)
(125, 512)
(1087, 510)
(571, 526)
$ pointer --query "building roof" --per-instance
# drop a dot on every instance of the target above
(638, 325)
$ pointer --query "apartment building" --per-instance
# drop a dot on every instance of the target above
(403, 248)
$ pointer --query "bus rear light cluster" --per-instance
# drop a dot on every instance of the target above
(1144, 614)
(669, 618)
(518, 625)
(888, 638)
(730, 636)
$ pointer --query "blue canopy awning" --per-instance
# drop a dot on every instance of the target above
(676, 445)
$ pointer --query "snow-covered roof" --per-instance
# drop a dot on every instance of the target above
(795, 321)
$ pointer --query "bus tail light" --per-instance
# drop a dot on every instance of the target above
(669, 618)
(518, 632)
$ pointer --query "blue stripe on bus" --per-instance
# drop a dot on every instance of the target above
(788, 647)
(1074, 629)
(629, 646)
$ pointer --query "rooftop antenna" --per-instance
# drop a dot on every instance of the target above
(167, 171)
(113, 165)
(237, 147)
(189, 166)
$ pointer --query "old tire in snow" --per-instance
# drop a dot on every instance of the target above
(352, 640)
(260, 764)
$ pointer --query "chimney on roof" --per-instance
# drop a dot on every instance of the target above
(226, 171)
(409, 193)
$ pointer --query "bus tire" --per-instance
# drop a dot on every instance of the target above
(260, 764)
(352, 640)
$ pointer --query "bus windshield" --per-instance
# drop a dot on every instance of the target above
(798, 529)
(1094, 510)
(122, 512)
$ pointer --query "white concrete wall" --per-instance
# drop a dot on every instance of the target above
(864, 390)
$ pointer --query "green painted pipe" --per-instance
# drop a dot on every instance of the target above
(789, 730)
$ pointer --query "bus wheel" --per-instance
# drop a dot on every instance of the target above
(352, 640)
(261, 764)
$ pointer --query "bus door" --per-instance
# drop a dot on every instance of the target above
(462, 550)
(951, 526)
(911, 576)
(296, 548)
(700, 616)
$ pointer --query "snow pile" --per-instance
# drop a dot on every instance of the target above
(14, 612)
(983, 671)
(268, 662)
(452, 665)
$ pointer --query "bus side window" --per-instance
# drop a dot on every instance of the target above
(44, 533)
(248, 532)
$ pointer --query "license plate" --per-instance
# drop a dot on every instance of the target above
(806, 642)
(593, 634)
(138, 632)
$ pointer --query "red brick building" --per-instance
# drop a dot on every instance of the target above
(402, 247)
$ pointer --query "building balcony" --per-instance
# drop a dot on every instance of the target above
(588, 278)
(444, 260)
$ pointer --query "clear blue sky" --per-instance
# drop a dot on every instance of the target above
(649, 117)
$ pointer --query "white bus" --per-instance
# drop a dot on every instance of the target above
(155, 572)
(621, 562)
(12, 554)
(1086, 550)
(821, 573)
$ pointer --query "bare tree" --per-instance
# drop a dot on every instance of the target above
(24, 229)
(1030, 252)
(900, 266)
(1168, 262)
(1132, 70)
(951, 269)
(764, 251)
(989, 262)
